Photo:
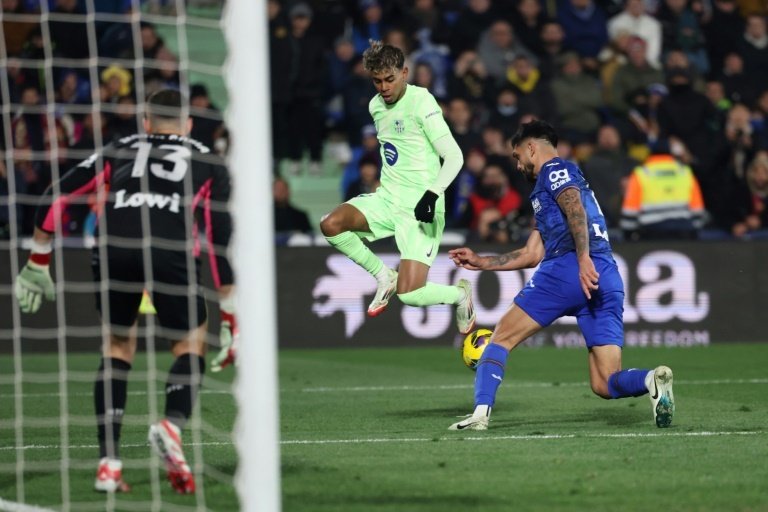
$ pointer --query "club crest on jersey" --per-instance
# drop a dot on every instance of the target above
(138, 199)
(399, 126)
(390, 153)
(536, 205)
(559, 178)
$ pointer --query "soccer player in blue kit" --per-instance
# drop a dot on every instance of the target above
(577, 277)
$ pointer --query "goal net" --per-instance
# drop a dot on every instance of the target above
(73, 78)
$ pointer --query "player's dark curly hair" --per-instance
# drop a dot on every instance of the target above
(382, 57)
(534, 130)
(165, 104)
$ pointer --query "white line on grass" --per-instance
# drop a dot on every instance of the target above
(12, 506)
(457, 437)
(711, 382)
(518, 385)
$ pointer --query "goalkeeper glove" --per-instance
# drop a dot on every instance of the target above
(229, 337)
(425, 208)
(33, 283)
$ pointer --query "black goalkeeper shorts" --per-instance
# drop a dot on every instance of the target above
(175, 291)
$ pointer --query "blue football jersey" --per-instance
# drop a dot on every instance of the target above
(556, 176)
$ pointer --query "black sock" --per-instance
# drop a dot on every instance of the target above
(112, 375)
(181, 389)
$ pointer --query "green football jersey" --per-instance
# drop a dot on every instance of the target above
(405, 131)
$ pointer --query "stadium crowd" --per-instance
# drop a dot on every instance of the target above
(663, 103)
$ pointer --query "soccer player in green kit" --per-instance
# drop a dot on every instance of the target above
(409, 204)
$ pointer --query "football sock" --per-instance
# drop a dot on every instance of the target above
(490, 373)
(112, 376)
(626, 383)
(351, 245)
(432, 293)
(181, 388)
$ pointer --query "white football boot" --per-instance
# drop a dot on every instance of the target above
(465, 310)
(478, 420)
(662, 399)
(385, 290)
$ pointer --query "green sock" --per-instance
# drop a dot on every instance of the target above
(432, 293)
(351, 245)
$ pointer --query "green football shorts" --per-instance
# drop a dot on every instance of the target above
(415, 240)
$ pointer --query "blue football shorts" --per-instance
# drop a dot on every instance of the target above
(554, 291)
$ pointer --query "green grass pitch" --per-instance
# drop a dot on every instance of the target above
(365, 429)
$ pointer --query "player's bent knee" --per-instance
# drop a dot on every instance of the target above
(331, 225)
(415, 298)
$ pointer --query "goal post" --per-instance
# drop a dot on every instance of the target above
(256, 432)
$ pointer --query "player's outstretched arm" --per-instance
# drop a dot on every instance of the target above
(570, 202)
(527, 257)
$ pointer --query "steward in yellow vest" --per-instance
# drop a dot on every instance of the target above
(663, 200)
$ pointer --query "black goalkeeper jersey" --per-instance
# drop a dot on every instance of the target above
(154, 187)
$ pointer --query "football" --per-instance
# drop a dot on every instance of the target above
(473, 347)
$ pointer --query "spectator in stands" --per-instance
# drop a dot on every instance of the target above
(207, 122)
(498, 48)
(306, 110)
(288, 218)
(370, 26)
(474, 19)
(69, 38)
(459, 118)
(682, 31)
(663, 200)
(607, 169)
(457, 205)
(356, 95)
(553, 47)
(723, 32)
(752, 198)
(72, 89)
(636, 74)
(151, 42)
(470, 81)
(32, 144)
(368, 149)
(118, 81)
(494, 203)
(585, 27)
(739, 86)
(507, 113)
(340, 65)
(715, 93)
(527, 21)
(754, 48)
(635, 21)
(578, 99)
(124, 121)
(741, 138)
(532, 90)
(367, 181)
(688, 115)
(16, 33)
(281, 74)
(425, 14)
(423, 76)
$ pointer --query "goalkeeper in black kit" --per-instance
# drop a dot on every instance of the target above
(153, 191)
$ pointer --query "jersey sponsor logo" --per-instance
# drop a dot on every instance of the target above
(536, 205)
(559, 178)
(390, 153)
(399, 125)
(138, 199)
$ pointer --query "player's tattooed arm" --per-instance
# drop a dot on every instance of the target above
(501, 261)
(570, 202)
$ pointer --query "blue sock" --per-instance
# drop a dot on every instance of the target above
(626, 383)
(490, 373)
